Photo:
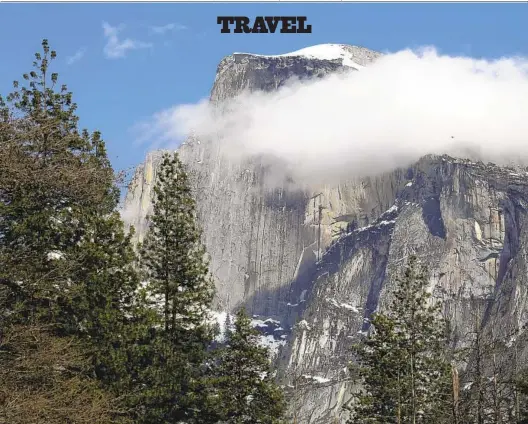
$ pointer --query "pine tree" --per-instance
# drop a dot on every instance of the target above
(243, 389)
(403, 368)
(113, 317)
(51, 175)
(381, 371)
(176, 269)
(173, 255)
(67, 265)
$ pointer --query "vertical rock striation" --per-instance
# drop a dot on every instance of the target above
(258, 237)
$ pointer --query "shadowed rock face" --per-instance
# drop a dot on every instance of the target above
(465, 220)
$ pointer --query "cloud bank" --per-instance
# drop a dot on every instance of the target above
(403, 106)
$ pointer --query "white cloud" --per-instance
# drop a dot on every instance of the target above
(166, 28)
(116, 48)
(393, 112)
(78, 55)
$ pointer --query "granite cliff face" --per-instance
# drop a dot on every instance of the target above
(258, 238)
(465, 221)
(320, 262)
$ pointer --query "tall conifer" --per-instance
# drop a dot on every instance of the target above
(243, 387)
(402, 363)
(176, 271)
(67, 266)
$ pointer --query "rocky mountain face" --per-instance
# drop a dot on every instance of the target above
(465, 221)
(317, 263)
(259, 238)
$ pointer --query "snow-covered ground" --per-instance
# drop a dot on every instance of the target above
(273, 335)
(316, 378)
(343, 305)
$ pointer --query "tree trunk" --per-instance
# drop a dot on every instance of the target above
(456, 392)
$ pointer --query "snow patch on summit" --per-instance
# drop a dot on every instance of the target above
(321, 52)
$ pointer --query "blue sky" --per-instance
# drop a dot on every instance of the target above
(125, 62)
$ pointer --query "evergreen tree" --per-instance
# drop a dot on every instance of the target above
(66, 262)
(403, 368)
(176, 269)
(381, 370)
(173, 255)
(52, 179)
(242, 385)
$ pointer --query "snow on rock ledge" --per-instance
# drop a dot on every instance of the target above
(272, 335)
(350, 56)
